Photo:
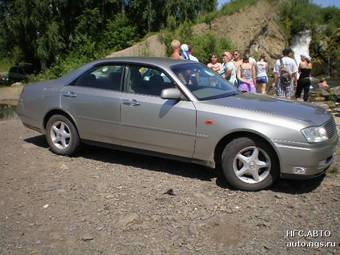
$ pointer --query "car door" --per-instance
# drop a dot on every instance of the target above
(152, 123)
(94, 100)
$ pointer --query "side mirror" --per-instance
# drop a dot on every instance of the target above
(171, 93)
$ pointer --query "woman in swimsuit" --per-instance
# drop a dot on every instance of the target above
(247, 76)
(214, 64)
(305, 69)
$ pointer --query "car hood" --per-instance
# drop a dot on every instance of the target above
(308, 113)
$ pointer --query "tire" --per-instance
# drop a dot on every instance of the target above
(243, 157)
(62, 136)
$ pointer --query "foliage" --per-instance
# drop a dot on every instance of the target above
(227, 9)
(63, 34)
(203, 45)
(207, 44)
(299, 15)
(235, 6)
(209, 18)
(118, 34)
(5, 64)
(333, 170)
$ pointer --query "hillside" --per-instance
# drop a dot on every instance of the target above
(252, 28)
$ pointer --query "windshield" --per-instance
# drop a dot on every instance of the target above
(203, 82)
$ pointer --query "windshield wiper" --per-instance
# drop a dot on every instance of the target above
(233, 93)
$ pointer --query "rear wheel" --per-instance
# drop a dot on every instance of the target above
(249, 164)
(61, 135)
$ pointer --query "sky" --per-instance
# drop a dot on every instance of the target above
(323, 3)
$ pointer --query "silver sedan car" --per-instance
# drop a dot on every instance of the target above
(181, 110)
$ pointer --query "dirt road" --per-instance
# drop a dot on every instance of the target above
(108, 202)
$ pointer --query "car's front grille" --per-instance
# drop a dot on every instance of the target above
(330, 127)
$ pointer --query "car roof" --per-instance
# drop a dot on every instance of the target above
(158, 61)
(165, 63)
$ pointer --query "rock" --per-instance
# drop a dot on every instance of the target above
(278, 196)
(290, 206)
(56, 236)
(45, 206)
(28, 146)
(193, 229)
(87, 237)
(16, 84)
(266, 247)
(319, 99)
(170, 192)
(324, 93)
(100, 228)
(264, 224)
(64, 167)
(336, 91)
(203, 199)
(126, 220)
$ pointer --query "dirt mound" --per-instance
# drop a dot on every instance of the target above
(253, 28)
(150, 47)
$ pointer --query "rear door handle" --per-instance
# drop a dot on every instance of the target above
(127, 102)
(134, 102)
(69, 94)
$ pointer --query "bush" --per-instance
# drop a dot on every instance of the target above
(117, 35)
(203, 45)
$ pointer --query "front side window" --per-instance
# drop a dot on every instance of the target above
(147, 80)
(202, 82)
(103, 77)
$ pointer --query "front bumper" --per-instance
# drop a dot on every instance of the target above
(305, 162)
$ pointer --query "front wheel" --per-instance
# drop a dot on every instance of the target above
(249, 164)
(62, 135)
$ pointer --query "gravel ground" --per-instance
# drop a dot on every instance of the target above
(109, 202)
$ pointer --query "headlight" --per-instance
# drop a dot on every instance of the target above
(315, 134)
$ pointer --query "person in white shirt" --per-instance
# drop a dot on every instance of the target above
(285, 71)
(261, 74)
(228, 71)
(192, 57)
(184, 51)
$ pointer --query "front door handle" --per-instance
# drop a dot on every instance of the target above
(132, 102)
(69, 94)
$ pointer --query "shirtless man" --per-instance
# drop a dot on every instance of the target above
(176, 49)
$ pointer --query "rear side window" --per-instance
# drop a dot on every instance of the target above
(104, 77)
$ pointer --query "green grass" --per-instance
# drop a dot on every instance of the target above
(227, 9)
(5, 64)
(333, 170)
(235, 6)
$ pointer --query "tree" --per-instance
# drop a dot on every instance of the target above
(43, 31)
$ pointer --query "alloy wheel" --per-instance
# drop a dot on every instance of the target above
(251, 165)
(60, 135)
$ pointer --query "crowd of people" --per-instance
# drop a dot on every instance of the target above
(251, 76)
